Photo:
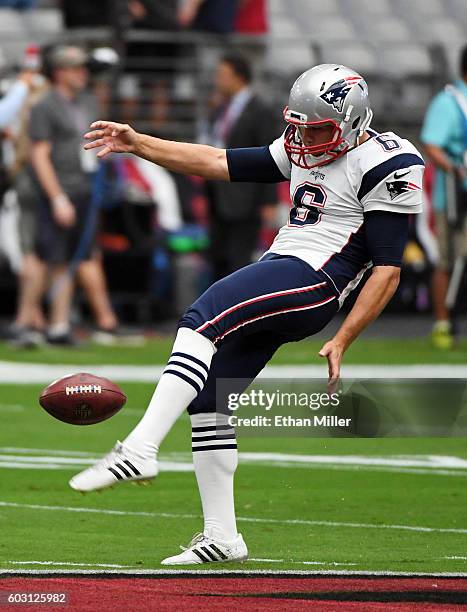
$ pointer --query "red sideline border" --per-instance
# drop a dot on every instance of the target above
(252, 591)
(221, 573)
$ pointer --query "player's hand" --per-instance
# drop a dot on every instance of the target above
(63, 211)
(113, 137)
(333, 352)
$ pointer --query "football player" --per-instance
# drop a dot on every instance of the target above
(352, 191)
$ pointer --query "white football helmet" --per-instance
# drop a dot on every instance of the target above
(328, 94)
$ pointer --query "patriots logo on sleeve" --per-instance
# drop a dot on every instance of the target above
(396, 188)
(336, 93)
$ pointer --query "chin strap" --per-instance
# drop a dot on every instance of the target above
(346, 119)
(366, 122)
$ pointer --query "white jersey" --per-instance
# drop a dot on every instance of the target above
(325, 226)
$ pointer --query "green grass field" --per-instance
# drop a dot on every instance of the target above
(389, 515)
(374, 351)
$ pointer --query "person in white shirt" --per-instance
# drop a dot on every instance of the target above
(13, 101)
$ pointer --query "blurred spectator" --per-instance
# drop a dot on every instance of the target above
(240, 120)
(444, 134)
(156, 76)
(251, 17)
(154, 14)
(13, 112)
(19, 5)
(12, 102)
(85, 13)
(208, 15)
(64, 171)
(29, 318)
(10, 107)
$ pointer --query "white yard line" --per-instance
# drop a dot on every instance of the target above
(24, 373)
(245, 519)
(333, 563)
(180, 467)
(66, 563)
(67, 463)
(114, 565)
(240, 573)
(268, 560)
(426, 461)
(47, 459)
(369, 371)
(12, 465)
(32, 451)
(28, 458)
(12, 408)
(369, 468)
(16, 465)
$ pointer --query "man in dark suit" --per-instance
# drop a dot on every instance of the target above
(236, 209)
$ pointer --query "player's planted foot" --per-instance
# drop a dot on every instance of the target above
(120, 465)
(203, 549)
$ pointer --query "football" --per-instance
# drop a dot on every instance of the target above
(82, 399)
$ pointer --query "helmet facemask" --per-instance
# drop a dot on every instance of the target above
(310, 156)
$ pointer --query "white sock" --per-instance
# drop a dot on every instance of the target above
(215, 467)
(183, 378)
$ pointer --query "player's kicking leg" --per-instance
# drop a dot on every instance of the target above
(135, 459)
(282, 297)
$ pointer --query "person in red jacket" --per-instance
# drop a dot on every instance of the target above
(251, 17)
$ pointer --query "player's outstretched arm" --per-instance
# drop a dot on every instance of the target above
(186, 158)
(374, 296)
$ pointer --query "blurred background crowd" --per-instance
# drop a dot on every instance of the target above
(88, 248)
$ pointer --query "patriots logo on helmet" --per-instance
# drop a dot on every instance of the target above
(336, 93)
(396, 188)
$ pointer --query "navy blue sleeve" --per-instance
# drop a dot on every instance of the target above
(253, 165)
(386, 235)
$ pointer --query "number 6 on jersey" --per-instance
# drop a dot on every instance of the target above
(308, 201)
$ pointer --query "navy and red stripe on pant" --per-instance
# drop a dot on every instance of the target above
(249, 314)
